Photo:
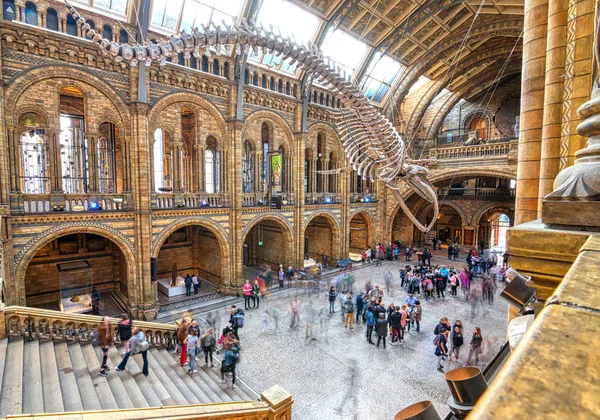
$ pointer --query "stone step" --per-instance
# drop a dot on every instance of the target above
(114, 381)
(211, 390)
(33, 401)
(134, 378)
(135, 364)
(103, 390)
(66, 376)
(157, 374)
(12, 381)
(164, 372)
(174, 367)
(89, 398)
(214, 376)
(51, 393)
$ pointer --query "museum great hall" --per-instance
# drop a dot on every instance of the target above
(121, 171)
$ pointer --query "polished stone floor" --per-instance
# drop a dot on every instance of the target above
(339, 375)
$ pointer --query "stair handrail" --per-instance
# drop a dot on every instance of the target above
(23, 321)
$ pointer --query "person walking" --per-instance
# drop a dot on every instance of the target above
(457, 341)
(441, 350)
(124, 329)
(195, 283)
(105, 339)
(450, 252)
(349, 310)
(370, 315)
(418, 312)
(182, 334)
(475, 346)
(310, 314)
(95, 301)
(396, 323)
(138, 345)
(207, 344)
(454, 283)
(188, 285)
(238, 322)
(360, 305)
(228, 365)
(295, 309)
(281, 276)
(191, 343)
(247, 294)
(255, 294)
(381, 327)
(332, 295)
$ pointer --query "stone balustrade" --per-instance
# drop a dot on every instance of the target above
(481, 151)
(189, 200)
(46, 203)
(476, 193)
(322, 198)
(21, 321)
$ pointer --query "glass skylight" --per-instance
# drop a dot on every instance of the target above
(290, 19)
(175, 15)
(345, 50)
(115, 6)
(380, 77)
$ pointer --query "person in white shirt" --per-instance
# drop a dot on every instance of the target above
(196, 283)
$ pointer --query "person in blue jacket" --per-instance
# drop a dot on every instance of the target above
(370, 324)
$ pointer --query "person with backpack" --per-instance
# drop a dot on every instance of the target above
(191, 343)
(207, 344)
(238, 322)
(247, 294)
(349, 310)
(444, 323)
(332, 295)
(441, 350)
(396, 323)
(454, 283)
(255, 294)
(228, 365)
(124, 329)
(381, 327)
(105, 340)
(138, 345)
(428, 287)
(370, 318)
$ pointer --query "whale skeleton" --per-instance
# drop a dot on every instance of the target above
(370, 142)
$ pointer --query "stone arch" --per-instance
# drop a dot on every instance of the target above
(461, 212)
(368, 218)
(190, 100)
(443, 174)
(488, 206)
(271, 118)
(269, 216)
(25, 255)
(181, 222)
(26, 79)
(333, 223)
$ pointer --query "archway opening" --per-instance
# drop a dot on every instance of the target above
(190, 250)
(493, 227)
(319, 241)
(267, 244)
(64, 273)
(360, 234)
(447, 229)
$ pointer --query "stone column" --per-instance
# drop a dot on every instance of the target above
(553, 96)
(298, 188)
(177, 149)
(314, 175)
(92, 153)
(532, 109)
(236, 241)
(13, 159)
(55, 160)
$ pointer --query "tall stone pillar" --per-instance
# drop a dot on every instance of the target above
(143, 293)
(532, 109)
(298, 189)
(236, 240)
(553, 96)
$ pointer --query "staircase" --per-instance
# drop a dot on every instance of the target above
(50, 376)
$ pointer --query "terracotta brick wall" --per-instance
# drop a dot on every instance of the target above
(208, 260)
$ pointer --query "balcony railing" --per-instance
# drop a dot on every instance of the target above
(473, 152)
(197, 200)
(363, 198)
(475, 193)
(322, 198)
(262, 199)
(45, 203)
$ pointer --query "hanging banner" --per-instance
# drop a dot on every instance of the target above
(276, 173)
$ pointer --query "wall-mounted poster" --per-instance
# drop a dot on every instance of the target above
(276, 173)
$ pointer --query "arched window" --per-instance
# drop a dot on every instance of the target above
(287, 88)
(205, 64)
(226, 70)
(211, 166)
(321, 97)
(255, 79)
(315, 100)
(52, 19)
(280, 86)
(247, 168)
(307, 170)
(332, 175)
(91, 23)
(71, 25)
(193, 62)
(320, 158)
(8, 10)
(180, 59)
(283, 170)
(216, 68)
(480, 126)
(263, 81)
(246, 77)
(327, 100)
(35, 157)
(107, 168)
(31, 15)
(158, 153)
(73, 143)
(123, 36)
(107, 32)
(264, 173)
(272, 84)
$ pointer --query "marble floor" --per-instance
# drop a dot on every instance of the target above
(339, 375)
